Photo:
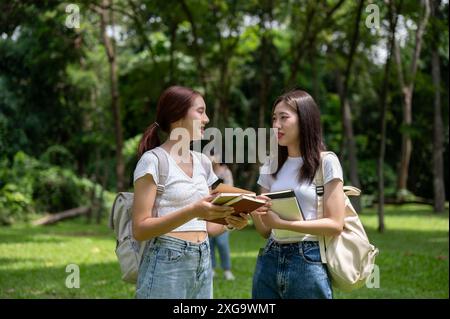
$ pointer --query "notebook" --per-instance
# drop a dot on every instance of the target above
(285, 205)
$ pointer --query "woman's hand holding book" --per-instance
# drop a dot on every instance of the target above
(237, 222)
(204, 209)
(263, 209)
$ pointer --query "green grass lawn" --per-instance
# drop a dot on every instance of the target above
(413, 260)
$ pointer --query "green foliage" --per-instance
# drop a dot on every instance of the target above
(58, 155)
(55, 86)
(56, 189)
(29, 186)
(367, 170)
(14, 205)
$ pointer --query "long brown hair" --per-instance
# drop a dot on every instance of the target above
(311, 140)
(173, 105)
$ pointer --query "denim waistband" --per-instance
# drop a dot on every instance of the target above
(272, 244)
(180, 243)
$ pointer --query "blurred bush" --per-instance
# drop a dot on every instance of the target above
(367, 170)
(29, 186)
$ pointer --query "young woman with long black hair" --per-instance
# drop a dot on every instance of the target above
(291, 267)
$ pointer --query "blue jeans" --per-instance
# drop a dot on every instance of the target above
(223, 244)
(172, 268)
(291, 271)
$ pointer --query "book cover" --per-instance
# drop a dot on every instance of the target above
(222, 198)
(285, 205)
(241, 204)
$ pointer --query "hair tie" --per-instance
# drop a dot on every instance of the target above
(156, 124)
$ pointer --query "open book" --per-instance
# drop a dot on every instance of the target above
(285, 205)
(240, 201)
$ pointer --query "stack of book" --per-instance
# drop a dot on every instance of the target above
(241, 200)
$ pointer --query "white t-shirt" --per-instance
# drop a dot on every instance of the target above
(180, 189)
(287, 178)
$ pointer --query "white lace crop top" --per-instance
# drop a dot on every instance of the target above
(180, 189)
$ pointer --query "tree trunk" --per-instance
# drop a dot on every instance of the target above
(406, 141)
(438, 132)
(407, 87)
(350, 143)
(347, 125)
(54, 218)
(266, 18)
(315, 75)
(383, 105)
(110, 52)
(173, 37)
(305, 43)
(197, 50)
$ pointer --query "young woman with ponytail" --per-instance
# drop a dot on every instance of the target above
(176, 262)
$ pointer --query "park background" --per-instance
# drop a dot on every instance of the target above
(79, 83)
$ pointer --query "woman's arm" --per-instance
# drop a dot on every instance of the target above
(331, 224)
(145, 226)
(261, 228)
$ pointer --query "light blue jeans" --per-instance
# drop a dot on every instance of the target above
(291, 271)
(223, 244)
(172, 268)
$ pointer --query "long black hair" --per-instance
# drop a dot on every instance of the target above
(311, 140)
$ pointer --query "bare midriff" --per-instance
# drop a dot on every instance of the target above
(192, 236)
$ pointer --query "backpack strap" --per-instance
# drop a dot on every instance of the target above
(320, 189)
(163, 169)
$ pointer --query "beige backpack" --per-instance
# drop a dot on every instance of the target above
(128, 250)
(350, 257)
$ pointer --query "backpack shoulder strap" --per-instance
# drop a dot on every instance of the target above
(318, 182)
(320, 189)
(163, 168)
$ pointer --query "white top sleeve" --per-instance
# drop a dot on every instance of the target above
(265, 179)
(147, 164)
(332, 168)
